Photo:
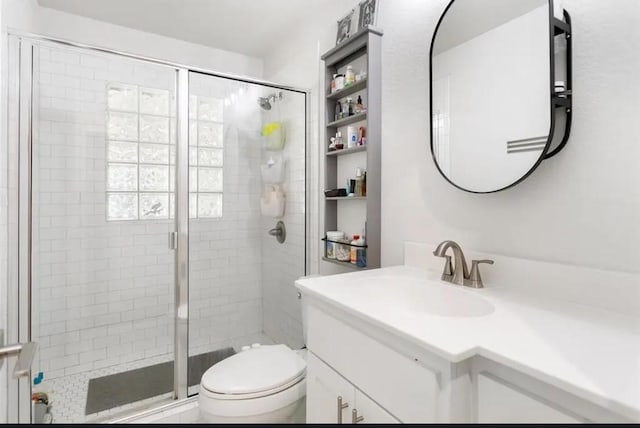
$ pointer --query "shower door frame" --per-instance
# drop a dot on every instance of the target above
(19, 255)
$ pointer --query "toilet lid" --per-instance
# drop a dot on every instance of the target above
(255, 370)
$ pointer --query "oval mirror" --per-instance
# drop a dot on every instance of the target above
(492, 91)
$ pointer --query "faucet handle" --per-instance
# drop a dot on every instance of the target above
(475, 280)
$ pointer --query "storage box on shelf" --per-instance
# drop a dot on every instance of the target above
(352, 214)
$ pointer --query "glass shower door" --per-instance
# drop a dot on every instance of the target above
(247, 145)
(102, 209)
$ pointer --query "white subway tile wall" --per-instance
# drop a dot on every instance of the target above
(102, 290)
(225, 258)
(283, 263)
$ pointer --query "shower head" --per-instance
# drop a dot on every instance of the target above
(265, 102)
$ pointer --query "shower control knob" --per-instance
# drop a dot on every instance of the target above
(255, 345)
(246, 348)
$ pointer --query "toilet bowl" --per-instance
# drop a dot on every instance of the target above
(264, 384)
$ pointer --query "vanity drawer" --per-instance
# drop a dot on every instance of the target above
(400, 385)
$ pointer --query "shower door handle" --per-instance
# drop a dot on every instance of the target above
(25, 351)
(173, 240)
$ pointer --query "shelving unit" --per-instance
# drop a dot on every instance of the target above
(347, 120)
(343, 264)
(343, 198)
(364, 47)
(358, 86)
(347, 151)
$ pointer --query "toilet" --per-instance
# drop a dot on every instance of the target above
(262, 384)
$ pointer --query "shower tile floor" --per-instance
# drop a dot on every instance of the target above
(68, 394)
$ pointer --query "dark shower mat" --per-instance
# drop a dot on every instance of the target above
(134, 385)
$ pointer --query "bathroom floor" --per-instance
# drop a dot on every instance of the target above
(68, 394)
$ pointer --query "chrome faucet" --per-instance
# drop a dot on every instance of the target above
(458, 273)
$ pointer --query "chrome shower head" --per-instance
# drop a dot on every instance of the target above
(264, 103)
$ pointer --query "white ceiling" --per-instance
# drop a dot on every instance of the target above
(467, 19)
(249, 27)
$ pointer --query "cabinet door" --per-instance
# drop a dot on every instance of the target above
(370, 411)
(500, 403)
(324, 386)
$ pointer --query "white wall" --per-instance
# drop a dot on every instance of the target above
(582, 207)
(27, 15)
(578, 208)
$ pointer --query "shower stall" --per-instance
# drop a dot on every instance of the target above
(141, 197)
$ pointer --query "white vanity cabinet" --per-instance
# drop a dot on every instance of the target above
(422, 351)
(382, 383)
(332, 399)
(504, 395)
(498, 402)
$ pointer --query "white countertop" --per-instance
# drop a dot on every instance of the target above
(591, 353)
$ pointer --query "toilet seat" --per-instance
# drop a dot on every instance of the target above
(243, 407)
(219, 396)
(257, 381)
(254, 373)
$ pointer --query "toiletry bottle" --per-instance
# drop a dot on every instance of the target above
(333, 83)
(352, 137)
(339, 82)
(358, 191)
(350, 106)
(332, 146)
(361, 136)
(354, 250)
(364, 183)
(339, 143)
(361, 253)
(359, 106)
(349, 76)
(338, 114)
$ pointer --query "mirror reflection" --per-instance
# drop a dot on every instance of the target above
(491, 106)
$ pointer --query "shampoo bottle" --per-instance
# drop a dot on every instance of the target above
(354, 250)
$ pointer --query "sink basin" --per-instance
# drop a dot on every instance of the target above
(423, 296)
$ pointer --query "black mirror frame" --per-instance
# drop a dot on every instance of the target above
(557, 100)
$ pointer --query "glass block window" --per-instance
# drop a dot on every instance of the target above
(206, 149)
(141, 154)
